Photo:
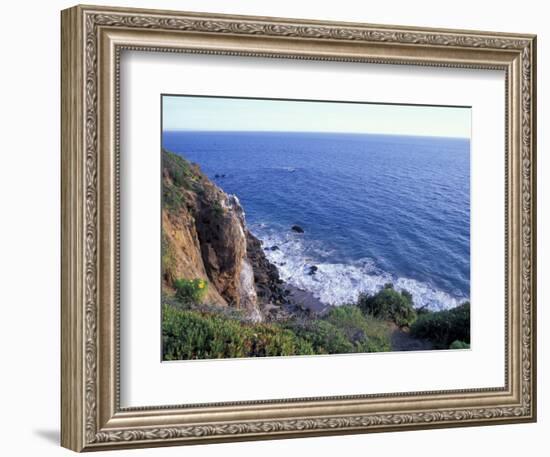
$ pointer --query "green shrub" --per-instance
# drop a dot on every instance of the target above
(457, 344)
(217, 209)
(343, 330)
(206, 334)
(177, 168)
(367, 333)
(190, 291)
(172, 196)
(181, 176)
(389, 304)
(191, 334)
(324, 337)
(444, 327)
(271, 340)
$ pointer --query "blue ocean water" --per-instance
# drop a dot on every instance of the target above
(374, 208)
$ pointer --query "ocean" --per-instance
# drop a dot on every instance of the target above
(374, 208)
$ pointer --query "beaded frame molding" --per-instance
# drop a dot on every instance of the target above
(93, 39)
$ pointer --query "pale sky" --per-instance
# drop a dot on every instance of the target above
(238, 114)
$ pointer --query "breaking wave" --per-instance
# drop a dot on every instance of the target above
(340, 283)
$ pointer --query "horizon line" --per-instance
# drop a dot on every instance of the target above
(315, 131)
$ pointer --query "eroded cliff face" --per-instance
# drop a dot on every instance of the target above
(182, 253)
(205, 236)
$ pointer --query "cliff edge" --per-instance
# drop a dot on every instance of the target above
(204, 236)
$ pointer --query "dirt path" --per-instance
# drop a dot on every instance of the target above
(401, 340)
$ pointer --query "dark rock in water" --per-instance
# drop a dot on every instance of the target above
(216, 176)
(297, 229)
(222, 176)
(274, 248)
(312, 270)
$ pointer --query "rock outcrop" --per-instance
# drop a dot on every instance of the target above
(205, 236)
(269, 286)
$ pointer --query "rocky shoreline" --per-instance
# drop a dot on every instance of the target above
(205, 237)
(277, 297)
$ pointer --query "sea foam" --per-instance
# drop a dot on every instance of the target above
(340, 283)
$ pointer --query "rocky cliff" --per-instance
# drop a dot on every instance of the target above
(204, 236)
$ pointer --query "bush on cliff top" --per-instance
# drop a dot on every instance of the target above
(181, 176)
(172, 196)
(177, 168)
(389, 304)
(444, 327)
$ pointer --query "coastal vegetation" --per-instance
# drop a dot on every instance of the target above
(190, 290)
(192, 330)
(449, 328)
(193, 334)
(199, 332)
(389, 304)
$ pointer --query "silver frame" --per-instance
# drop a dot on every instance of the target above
(92, 41)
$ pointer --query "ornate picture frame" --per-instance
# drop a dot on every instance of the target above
(93, 39)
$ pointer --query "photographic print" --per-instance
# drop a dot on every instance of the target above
(269, 251)
(304, 228)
